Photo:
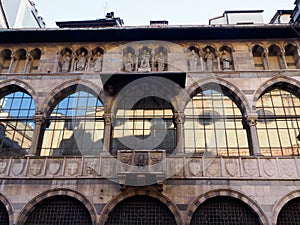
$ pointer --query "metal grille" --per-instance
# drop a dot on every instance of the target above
(61, 210)
(3, 215)
(290, 213)
(214, 124)
(278, 123)
(75, 127)
(141, 210)
(224, 211)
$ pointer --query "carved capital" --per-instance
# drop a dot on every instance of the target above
(107, 119)
(252, 120)
(179, 117)
(39, 118)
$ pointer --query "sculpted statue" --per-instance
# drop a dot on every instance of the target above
(193, 60)
(80, 66)
(225, 60)
(128, 65)
(97, 62)
(209, 59)
(145, 62)
(66, 62)
(161, 61)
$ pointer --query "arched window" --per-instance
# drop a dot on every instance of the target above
(148, 125)
(213, 126)
(278, 122)
(5, 59)
(290, 213)
(59, 210)
(275, 58)
(291, 57)
(223, 211)
(141, 210)
(259, 58)
(34, 56)
(16, 123)
(19, 61)
(75, 126)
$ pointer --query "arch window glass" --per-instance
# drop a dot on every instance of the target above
(16, 124)
(75, 126)
(213, 126)
(147, 125)
(278, 123)
(59, 210)
(141, 210)
(223, 211)
(290, 213)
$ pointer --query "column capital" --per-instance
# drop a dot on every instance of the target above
(179, 117)
(251, 120)
(39, 118)
(107, 118)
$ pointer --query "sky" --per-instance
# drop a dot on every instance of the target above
(140, 12)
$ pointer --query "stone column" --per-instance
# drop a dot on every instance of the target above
(282, 57)
(218, 59)
(251, 123)
(298, 57)
(153, 61)
(39, 121)
(88, 64)
(136, 60)
(179, 118)
(11, 65)
(28, 58)
(266, 62)
(107, 132)
(201, 61)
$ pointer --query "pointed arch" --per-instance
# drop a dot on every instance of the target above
(8, 206)
(12, 85)
(290, 84)
(222, 85)
(66, 88)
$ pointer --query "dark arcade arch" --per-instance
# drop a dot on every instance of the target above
(139, 210)
(290, 213)
(223, 210)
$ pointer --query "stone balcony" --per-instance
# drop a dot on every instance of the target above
(141, 164)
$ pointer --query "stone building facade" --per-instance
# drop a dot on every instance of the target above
(150, 125)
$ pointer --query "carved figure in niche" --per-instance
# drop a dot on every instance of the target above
(81, 62)
(225, 60)
(128, 65)
(209, 59)
(97, 62)
(145, 62)
(66, 62)
(193, 60)
(161, 61)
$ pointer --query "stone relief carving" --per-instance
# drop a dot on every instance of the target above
(36, 167)
(288, 167)
(269, 167)
(195, 167)
(231, 166)
(144, 61)
(3, 166)
(213, 168)
(161, 61)
(66, 62)
(209, 59)
(193, 60)
(82, 61)
(225, 59)
(250, 167)
(97, 62)
(54, 167)
(73, 168)
(18, 166)
(129, 62)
